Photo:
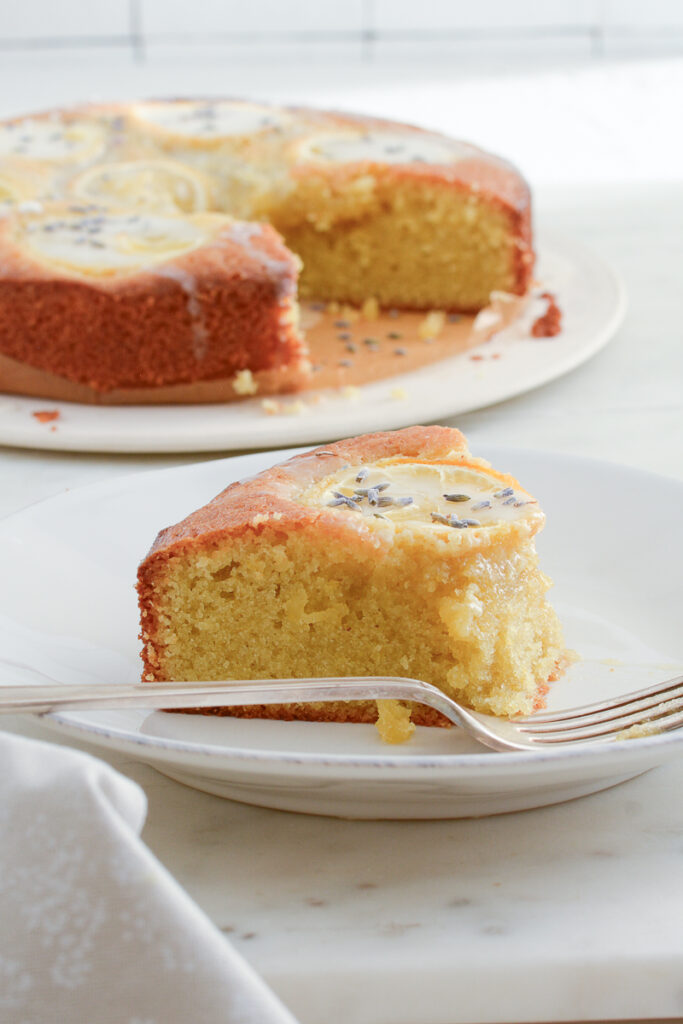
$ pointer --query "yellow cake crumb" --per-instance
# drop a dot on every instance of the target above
(244, 384)
(638, 731)
(370, 309)
(264, 517)
(393, 721)
(399, 394)
(294, 408)
(270, 407)
(351, 392)
(432, 325)
(650, 727)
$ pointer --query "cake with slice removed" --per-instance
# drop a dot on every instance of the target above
(372, 211)
(394, 553)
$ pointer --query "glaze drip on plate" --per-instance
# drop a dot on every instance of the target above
(427, 495)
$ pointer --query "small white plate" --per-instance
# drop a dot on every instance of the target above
(612, 544)
(589, 293)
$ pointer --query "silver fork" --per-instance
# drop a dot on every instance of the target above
(658, 708)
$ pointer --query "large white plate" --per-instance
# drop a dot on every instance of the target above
(592, 301)
(612, 544)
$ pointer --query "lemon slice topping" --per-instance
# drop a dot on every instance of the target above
(93, 241)
(383, 147)
(162, 186)
(209, 121)
(54, 140)
(427, 495)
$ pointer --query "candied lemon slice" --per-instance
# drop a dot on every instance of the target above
(10, 191)
(209, 122)
(48, 138)
(91, 240)
(23, 180)
(160, 186)
(157, 238)
(381, 145)
(456, 497)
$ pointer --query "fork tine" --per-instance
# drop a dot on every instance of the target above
(635, 709)
(658, 691)
(669, 716)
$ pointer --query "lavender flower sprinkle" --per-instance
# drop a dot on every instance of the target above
(343, 499)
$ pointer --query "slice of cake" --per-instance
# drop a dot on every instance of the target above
(110, 299)
(389, 554)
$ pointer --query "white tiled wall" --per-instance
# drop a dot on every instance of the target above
(167, 18)
(482, 16)
(655, 15)
(25, 21)
(365, 27)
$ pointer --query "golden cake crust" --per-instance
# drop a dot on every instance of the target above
(208, 314)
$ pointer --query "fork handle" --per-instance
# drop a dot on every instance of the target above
(43, 699)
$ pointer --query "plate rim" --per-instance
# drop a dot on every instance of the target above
(595, 753)
(87, 439)
(486, 763)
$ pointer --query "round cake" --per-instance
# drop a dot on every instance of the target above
(154, 251)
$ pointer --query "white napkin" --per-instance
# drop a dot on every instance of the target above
(93, 930)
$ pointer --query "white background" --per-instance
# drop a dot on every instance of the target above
(146, 27)
(573, 91)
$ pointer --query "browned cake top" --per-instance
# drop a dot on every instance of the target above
(329, 487)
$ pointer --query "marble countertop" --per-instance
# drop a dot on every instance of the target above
(570, 912)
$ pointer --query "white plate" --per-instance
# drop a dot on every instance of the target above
(612, 544)
(592, 301)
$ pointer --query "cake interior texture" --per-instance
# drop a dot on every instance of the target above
(405, 242)
(323, 584)
(481, 630)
